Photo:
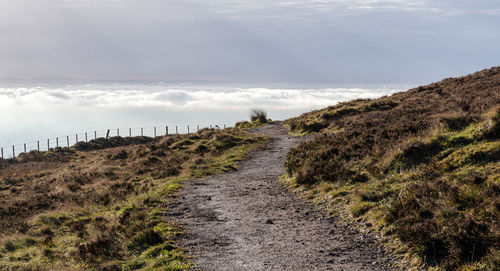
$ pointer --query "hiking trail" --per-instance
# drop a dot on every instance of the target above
(246, 220)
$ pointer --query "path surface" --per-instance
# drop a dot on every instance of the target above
(245, 220)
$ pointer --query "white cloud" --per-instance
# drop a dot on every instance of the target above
(178, 98)
(38, 113)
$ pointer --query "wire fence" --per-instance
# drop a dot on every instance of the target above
(66, 141)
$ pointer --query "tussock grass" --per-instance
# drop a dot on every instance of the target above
(258, 115)
(258, 118)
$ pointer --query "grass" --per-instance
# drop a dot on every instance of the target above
(100, 205)
(258, 118)
(421, 167)
(258, 115)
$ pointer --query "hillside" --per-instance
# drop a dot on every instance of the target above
(421, 167)
(101, 205)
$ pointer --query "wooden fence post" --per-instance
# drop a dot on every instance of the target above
(166, 130)
(197, 128)
(155, 131)
(142, 131)
(129, 132)
(24, 147)
(210, 126)
(67, 140)
(118, 131)
(176, 131)
(48, 144)
(86, 138)
(13, 152)
(2, 152)
(57, 142)
(107, 134)
(76, 138)
(95, 134)
(38, 145)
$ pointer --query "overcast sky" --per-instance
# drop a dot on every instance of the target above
(249, 41)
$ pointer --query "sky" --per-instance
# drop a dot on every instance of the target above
(251, 42)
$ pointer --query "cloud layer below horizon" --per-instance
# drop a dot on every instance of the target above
(53, 111)
(179, 98)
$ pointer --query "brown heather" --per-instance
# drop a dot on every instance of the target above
(423, 166)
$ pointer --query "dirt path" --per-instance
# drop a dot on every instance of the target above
(245, 220)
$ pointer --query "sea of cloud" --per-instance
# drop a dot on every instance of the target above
(28, 114)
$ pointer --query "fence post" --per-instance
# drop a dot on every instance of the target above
(188, 129)
(57, 142)
(67, 140)
(118, 132)
(142, 131)
(166, 130)
(13, 152)
(76, 138)
(197, 128)
(2, 152)
(95, 134)
(86, 138)
(224, 126)
(107, 134)
(210, 126)
(48, 144)
(155, 131)
(24, 147)
(38, 145)
(129, 132)
(176, 131)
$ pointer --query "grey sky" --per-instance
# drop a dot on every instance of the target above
(249, 41)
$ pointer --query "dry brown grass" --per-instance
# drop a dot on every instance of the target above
(100, 204)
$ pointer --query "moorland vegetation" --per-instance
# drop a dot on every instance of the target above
(101, 205)
(421, 167)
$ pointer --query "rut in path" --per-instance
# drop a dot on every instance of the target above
(245, 220)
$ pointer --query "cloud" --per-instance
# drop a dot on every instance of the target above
(38, 113)
(59, 94)
(179, 98)
(248, 41)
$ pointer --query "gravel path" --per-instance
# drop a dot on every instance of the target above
(245, 220)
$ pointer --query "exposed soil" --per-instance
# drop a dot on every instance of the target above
(246, 220)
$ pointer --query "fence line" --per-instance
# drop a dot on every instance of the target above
(87, 136)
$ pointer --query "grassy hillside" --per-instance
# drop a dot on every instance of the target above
(101, 204)
(422, 167)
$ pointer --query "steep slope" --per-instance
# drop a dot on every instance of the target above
(422, 166)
